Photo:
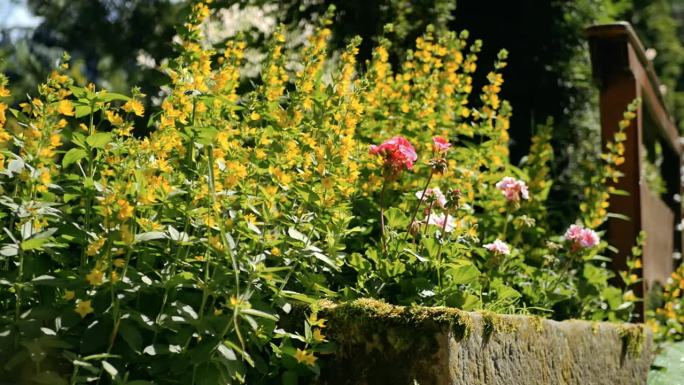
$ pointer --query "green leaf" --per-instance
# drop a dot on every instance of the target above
(109, 368)
(290, 377)
(210, 374)
(325, 259)
(49, 378)
(81, 110)
(73, 156)
(259, 313)
(618, 216)
(668, 366)
(463, 272)
(396, 218)
(595, 275)
(99, 140)
(244, 354)
(205, 135)
(111, 96)
(504, 293)
(129, 332)
(79, 92)
(149, 236)
(293, 233)
(227, 352)
(78, 139)
(33, 243)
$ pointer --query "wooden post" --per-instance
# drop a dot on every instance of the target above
(623, 73)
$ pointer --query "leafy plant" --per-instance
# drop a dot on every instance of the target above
(184, 257)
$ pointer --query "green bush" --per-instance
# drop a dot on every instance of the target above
(174, 258)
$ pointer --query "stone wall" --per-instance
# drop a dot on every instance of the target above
(380, 344)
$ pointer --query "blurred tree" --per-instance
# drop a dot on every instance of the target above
(106, 39)
(659, 28)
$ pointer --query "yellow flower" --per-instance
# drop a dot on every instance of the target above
(315, 321)
(255, 116)
(95, 277)
(45, 177)
(302, 356)
(95, 246)
(68, 295)
(65, 107)
(275, 252)
(215, 242)
(84, 308)
(134, 106)
(114, 118)
(127, 236)
(250, 218)
(629, 296)
(125, 209)
(318, 336)
(119, 262)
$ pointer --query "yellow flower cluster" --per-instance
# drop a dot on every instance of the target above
(594, 206)
(667, 321)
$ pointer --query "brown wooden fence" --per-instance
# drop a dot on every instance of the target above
(623, 73)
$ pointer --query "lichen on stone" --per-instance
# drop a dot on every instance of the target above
(493, 322)
(633, 338)
(538, 323)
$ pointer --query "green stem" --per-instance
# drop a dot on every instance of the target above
(505, 229)
(226, 246)
(74, 373)
(420, 201)
(439, 250)
(88, 199)
(18, 287)
(382, 218)
(415, 212)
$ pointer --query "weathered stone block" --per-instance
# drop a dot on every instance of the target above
(381, 344)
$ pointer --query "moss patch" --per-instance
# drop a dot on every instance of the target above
(365, 311)
(633, 338)
(385, 344)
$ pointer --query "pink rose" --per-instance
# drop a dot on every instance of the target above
(439, 221)
(433, 195)
(440, 144)
(498, 247)
(513, 189)
(398, 153)
(581, 237)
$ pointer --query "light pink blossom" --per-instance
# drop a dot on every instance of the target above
(440, 144)
(498, 247)
(581, 237)
(433, 194)
(398, 153)
(439, 221)
(513, 189)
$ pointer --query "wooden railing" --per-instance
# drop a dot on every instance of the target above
(623, 73)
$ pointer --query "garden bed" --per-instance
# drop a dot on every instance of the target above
(384, 344)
